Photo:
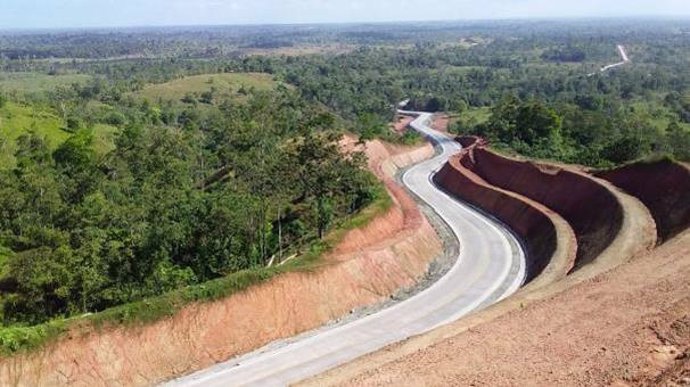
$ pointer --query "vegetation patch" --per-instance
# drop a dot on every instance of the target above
(20, 339)
(17, 119)
(208, 88)
(33, 82)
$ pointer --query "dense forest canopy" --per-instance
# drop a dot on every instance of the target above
(139, 161)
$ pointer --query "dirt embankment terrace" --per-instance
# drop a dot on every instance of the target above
(369, 265)
(533, 223)
(588, 206)
(663, 186)
(626, 327)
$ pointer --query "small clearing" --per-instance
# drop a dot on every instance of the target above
(222, 85)
(25, 82)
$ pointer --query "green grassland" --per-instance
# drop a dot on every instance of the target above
(479, 114)
(225, 85)
(35, 82)
(17, 119)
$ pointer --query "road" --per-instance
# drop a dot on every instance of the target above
(624, 57)
(490, 267)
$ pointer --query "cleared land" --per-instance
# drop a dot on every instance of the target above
(613, 322)
(17, 119)
(25, 82)
(225, 85)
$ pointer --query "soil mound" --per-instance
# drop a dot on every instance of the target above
(663, 186)
(531, 222)
(591, 209)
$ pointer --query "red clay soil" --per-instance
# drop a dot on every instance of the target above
(530, 221)
(384, 160)
(627, 327)
(663, 186)
(588, 205)
(390, 253)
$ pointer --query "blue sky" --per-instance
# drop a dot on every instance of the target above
(103, 13)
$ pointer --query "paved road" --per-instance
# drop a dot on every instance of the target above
(624, 58)
(490, 266)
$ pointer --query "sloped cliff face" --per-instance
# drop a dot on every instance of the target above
(663, 186)
(531, 222)
(607, 223)
(591, 209)
(367, 267)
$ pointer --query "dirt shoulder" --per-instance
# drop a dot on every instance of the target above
(628, 326)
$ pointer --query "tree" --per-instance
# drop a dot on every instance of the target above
(32, 150)
(73, 124)
(76, 153)
(678, 141)
(45, 280)
(622, 149)
(535, 122)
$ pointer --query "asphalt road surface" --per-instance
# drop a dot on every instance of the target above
(490, 267)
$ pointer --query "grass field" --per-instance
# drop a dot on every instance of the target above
(17, 119)
(36, 82)
(469, 118)
(480, 114)
(226, 85)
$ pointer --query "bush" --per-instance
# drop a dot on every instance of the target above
(73, 124)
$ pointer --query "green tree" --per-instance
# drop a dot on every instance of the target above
(678, 141)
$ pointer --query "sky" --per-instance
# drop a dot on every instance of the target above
(29, 14)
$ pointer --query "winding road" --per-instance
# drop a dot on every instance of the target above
(490, 267)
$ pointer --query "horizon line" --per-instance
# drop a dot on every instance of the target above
(675, 17)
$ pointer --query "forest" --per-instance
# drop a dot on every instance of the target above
(137, 162)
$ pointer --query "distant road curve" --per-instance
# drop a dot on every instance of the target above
(624, 57)
(490, 267)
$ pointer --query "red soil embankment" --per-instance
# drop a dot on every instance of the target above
(663, 186)
(591, 208)
(530, 221)
(384, 160)
(627, 327)
(370, 265)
